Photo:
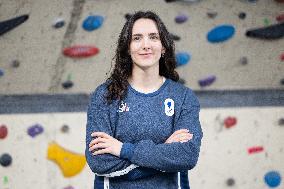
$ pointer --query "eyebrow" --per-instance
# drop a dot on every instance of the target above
(138, 34)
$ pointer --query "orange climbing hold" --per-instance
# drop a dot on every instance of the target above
(69, 162)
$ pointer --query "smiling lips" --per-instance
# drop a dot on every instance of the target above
(146, 55)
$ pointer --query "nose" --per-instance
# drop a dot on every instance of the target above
(146, 44)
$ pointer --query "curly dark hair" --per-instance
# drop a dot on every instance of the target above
(117, 82)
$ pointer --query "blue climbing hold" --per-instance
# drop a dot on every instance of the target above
(221, 33)
(93, 22)
(1, 73)
(181, 18)
(272, 179)
(182, 58)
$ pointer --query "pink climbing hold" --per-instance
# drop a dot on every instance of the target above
(255, 149)
(3, 131)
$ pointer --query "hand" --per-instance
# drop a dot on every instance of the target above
(181, 135)
(104, 144)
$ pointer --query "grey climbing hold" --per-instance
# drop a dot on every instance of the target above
(5, 160)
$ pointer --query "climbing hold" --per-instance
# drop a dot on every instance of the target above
(207, 81)
(93, 22)
(1, 73)
(230, 182)
(212, 14)
(8, 25)
(242, 15)
(281, 122)
(282, 81)
(5, 160)
(5, 180)
(127, 16)
(65, 129)
(15, 63)
(220, 33)
(252, 1)
(280, 1)
(67, 84)
(275, 31)
(35, 130)
(282, 57)
(255, 149)
(3, 131)
(181, 18)
(244, 60)
(80, 51)
(182, 58)
(69, 187)
(280, 18)
(272, 179)
(69, 162)
(230, 122)
(174, 37)
(58, 23)
(266, 22)
(182, 81)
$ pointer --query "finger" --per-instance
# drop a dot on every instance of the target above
(98, 146)
(180, 137)
(181, 131)
(100, 134)
(97, 140)
(102, 151)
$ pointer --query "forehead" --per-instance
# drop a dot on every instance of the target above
(144, 26)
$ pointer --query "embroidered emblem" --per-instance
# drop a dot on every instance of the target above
(169, 107)
(123, 107)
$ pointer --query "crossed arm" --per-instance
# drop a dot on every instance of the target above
(109, 157)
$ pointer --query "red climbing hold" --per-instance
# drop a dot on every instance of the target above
(280, 18)
(255, 149)
(282, 57)
(3, 131)
(230, 122)
(79, 51)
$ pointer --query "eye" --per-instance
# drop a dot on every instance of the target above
(154, 37)
(136, 38)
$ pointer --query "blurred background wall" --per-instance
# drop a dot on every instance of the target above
(238, 80)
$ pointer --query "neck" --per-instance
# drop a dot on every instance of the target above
(146, 80)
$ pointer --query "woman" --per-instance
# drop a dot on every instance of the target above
(143, 126)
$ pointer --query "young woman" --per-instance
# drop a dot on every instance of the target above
(143, 128)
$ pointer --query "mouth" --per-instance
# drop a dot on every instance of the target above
(146, 55)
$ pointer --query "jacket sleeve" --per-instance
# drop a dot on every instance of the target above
(173, 157)
(107, 165)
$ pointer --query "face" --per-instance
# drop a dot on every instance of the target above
(145, 46)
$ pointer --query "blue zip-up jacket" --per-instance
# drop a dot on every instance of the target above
(143, 122)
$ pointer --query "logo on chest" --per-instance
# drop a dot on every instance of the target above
(123, 107)
(169, 106)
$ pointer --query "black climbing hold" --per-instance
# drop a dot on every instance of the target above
(230, 182)
(242, 15)
(174, 37)
(212, 14)
(5, 160)
(59, 23)
(67, 84)
(65, 129)
(244, 60)
(282, 81)
(275, 31)
(281, 122)
(1, 73)
(15, 63)
(8, 25)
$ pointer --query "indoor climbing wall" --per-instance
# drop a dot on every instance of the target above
(54, 53)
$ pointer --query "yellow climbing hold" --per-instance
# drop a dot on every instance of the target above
(69, 162)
